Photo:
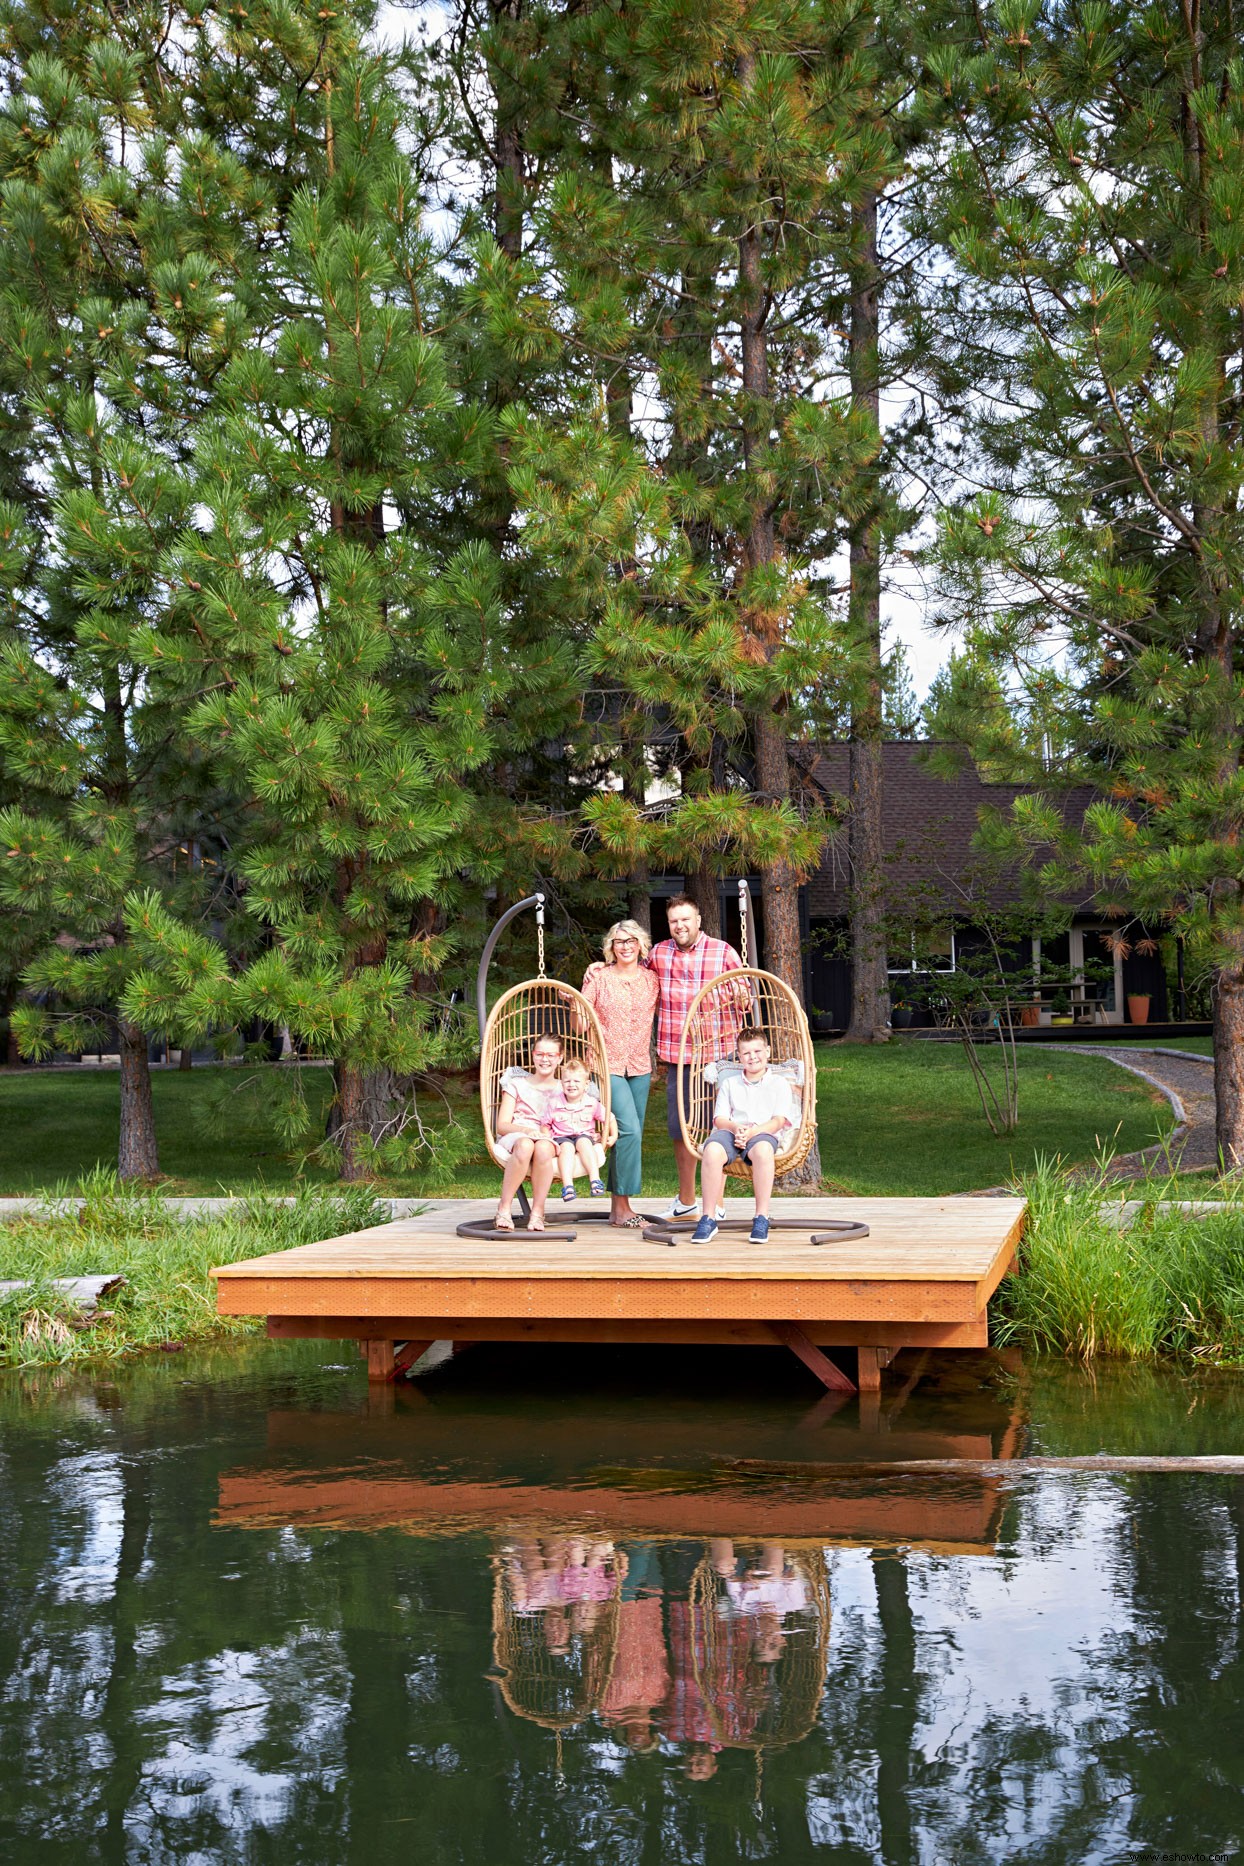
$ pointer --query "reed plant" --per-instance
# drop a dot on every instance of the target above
(1094, 1281)
(168, 1299)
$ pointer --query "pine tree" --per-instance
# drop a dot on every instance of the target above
(902, 710)
(110, 322)
(705, 258)
(1096, 209)
(348, 693)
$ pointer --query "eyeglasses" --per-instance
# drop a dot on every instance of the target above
(628, 941)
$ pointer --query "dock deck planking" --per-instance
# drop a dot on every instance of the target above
(923, 1277)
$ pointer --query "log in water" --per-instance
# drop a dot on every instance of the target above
(1224, 1466)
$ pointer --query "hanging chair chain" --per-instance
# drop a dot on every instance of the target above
(540, 939)
(744, 904)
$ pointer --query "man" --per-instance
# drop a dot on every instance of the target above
(683, 963)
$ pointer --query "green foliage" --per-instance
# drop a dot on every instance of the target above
(1095, 162)
(169, 1297)
(1094, 1284)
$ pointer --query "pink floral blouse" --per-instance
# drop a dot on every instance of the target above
(625, 1003)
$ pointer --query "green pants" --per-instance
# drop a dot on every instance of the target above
(628, 1096)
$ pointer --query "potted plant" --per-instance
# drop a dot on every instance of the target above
(1060, 1009)
(1030, 1014)
(901, 1014)
(1138, 1007)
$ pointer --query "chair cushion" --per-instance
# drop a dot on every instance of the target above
(791, 1070)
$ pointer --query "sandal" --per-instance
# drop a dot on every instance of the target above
(634, 1223)
(503, 1222)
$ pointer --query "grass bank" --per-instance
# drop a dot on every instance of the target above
(1164, 1284)
(169, 1301)
(898, 1119)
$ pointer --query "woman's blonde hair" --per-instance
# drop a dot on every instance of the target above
(627, 928)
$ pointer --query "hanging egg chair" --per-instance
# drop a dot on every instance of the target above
(749, 998)
(762, 1675)
(718, 1012)
(539, 1007)
(548, 1669)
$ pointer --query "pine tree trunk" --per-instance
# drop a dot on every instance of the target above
(705, 890)
(137, 1154)
(185, 1059)
(1229, 1065)
(366, 1105)
(639, 897)
(870, 985)
(779, 884)
(508, 200)
(870, 1006)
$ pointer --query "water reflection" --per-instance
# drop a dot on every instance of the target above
(705, 1646)
(545, 1616)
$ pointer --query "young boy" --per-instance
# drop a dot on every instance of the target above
(753, 1116)
(575, 1119)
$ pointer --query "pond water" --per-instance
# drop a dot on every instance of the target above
(556, 1607)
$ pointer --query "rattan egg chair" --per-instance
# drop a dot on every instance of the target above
(748, 997)
(540, 1007)
(706, 1054)
(557, 1690)
(754, 1703)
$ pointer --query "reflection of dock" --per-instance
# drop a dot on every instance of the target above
(343, 1471)
(946, 1519)
(922, 1278)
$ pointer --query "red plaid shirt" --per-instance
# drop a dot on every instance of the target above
(680, 975)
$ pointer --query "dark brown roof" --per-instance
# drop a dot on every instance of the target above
(928, 824)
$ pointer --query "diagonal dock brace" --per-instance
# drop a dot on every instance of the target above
(792, 1336)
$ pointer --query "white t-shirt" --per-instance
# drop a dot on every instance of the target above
(761, 1102)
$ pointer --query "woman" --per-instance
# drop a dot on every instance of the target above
(523, 1135)
(623, 993)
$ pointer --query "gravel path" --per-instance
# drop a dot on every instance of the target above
(1185, 1078)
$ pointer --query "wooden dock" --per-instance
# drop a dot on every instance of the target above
(922, 1278)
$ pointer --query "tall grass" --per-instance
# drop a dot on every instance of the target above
(1091, 1284)
(169, 1298)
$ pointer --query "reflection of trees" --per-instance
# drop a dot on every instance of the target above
(897, 1705)
(1180, 1663)
(172, 1690)
(119, 1705)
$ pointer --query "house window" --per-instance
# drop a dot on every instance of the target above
(930, 949)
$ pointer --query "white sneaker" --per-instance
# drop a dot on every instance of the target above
(678, 1210)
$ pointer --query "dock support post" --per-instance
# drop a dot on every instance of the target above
(792, 1336)
(869, 1365)
(380, 1360)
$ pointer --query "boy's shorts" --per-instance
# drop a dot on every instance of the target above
(562, 1140)
(730, 1146)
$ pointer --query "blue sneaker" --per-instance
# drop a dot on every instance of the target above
(760, 1231)
(705, 1231)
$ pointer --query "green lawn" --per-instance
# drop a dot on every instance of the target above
(898, 1119)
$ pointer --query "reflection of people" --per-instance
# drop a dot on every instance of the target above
(623, 993)
(691, 1649)
(683, 963)
(641, 1678)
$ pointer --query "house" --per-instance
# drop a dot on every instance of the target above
(938, 893)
